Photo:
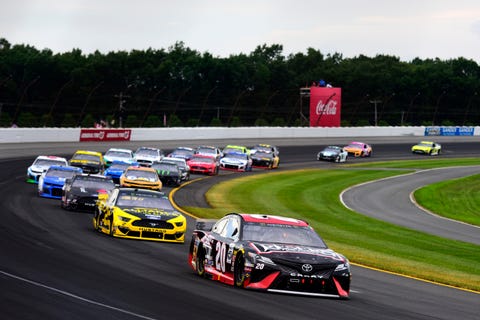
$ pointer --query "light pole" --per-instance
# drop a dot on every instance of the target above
(57, 97)
(204, 104)
(410, 106)
(86, 102)
(467, 109)
(150, 105)
(19, 104)
(436, 106)
(375, 103)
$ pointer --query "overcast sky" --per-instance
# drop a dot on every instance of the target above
(407, 29)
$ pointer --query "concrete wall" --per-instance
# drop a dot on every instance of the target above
(21, 135)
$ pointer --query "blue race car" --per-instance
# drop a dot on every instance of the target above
(52, 180)
(117, 168)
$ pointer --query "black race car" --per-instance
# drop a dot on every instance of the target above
(81, 192)
(270, 253)
(168, 172)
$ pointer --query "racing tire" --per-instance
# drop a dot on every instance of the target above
(200, 262)
(111, 231)
(239, 271)
(97, 220)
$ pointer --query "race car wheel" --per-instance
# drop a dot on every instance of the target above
(200, 261)
(111, 231)
(239, 271)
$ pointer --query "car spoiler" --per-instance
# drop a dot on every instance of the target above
(205, 224)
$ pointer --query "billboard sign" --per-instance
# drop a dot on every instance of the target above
(325, 106)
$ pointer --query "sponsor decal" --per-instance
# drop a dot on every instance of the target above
(105, 134)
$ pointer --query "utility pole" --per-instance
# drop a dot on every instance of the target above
(121, 108)
(375, 102)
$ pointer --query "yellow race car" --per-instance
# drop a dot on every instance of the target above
(427, 147)
(139, 214)
(141, 177)
(88, 161)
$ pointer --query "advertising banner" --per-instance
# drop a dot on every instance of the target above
(105, 134)
(449, 131)
(325, 106)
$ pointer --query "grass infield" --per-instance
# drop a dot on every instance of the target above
(313, 195)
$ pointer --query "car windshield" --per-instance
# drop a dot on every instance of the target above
(232, 149)
(331, 148)
(242, 156)
(144, 200)
(147, 152)
(263, 154)
(88, 157)
(205, 150)
(425, 144)
(165, 166)
(181, 163)
(141, 175)
(203, 159)
(120, 166)
(180, 152)
(93, 182)
(282, 234)
(60, 173)
(49, 162)
(118, 154)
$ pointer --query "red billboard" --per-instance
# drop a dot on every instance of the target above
(105, 134)
(325, 106)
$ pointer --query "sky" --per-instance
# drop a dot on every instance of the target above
(408, 29)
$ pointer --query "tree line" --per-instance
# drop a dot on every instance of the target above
(180, 86)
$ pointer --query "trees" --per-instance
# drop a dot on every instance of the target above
(197, 89)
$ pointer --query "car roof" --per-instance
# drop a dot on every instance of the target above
(271, 219)
(120, 150)
(50, 158)
(96, 153)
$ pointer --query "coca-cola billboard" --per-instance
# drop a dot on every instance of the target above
(325, 106)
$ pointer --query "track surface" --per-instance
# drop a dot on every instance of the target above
(54, 266)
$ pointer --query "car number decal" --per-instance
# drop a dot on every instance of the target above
(221, 250)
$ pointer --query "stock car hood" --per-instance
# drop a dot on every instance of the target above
(77, 161)
(297, 253)
(54, 180)
(329, 152)
(168, 173)
(114, 172)
(235, 161)
(151, 213)
(87, 192)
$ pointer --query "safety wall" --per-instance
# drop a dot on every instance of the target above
(18, 135)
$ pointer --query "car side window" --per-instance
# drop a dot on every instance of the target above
(231, 229)
(219, 226)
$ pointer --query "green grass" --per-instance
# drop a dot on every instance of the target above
(457, 199)
(313, 195)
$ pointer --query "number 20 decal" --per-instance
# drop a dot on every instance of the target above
(221, 250)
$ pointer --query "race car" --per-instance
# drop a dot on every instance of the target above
(51, 182)
(209, 151)
(88, 161)
(269, 253)
(234, 148)
(139, 214)
(117, 168)
(141, 177)
(80, 193)
(427, 147)
(117, 154)
(42, 163)
(333, 153)
(168, 172)
(265, 147)
(265, 160)
(182, 153)
(203, 164)
(359, 149)
(145, 156)
(182, 165)
(237, 161)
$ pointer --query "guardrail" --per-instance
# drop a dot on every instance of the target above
(20, 135)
